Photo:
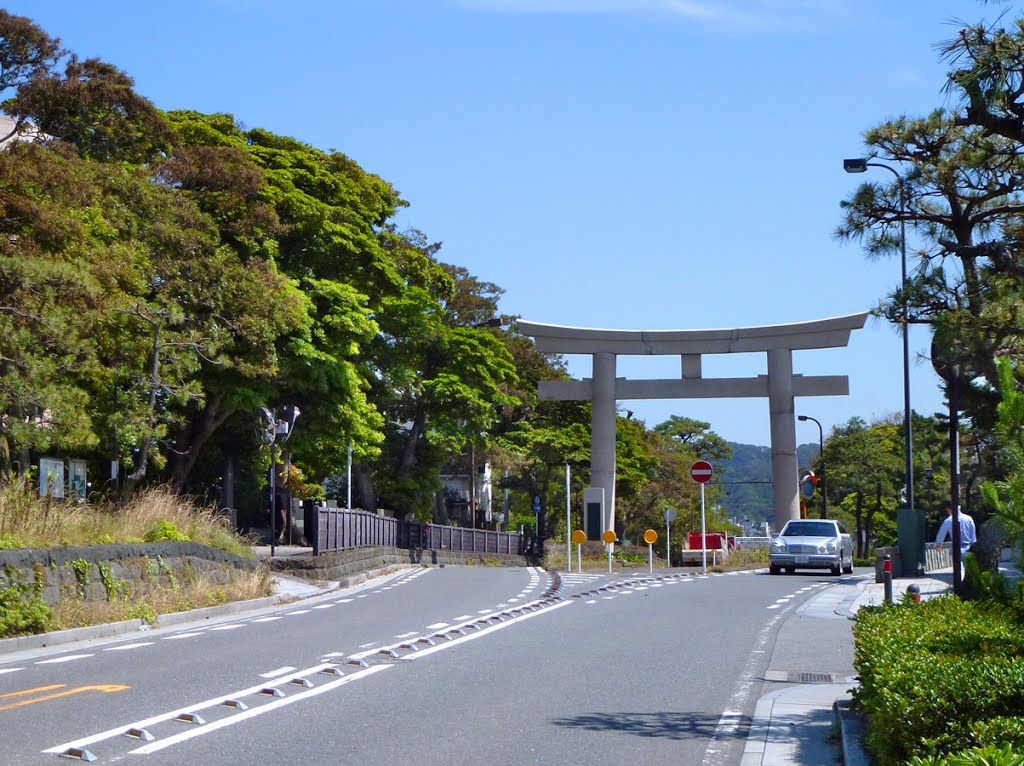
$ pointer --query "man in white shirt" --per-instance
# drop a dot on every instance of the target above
(968, 532)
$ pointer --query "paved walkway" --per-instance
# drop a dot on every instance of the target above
(794, 726)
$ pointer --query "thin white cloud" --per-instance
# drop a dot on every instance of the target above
(734, 13)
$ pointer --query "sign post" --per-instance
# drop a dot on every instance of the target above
(701, 472)
(568, 523)
(578, 536)
(650, 537)
(609, 539)
(670, 516)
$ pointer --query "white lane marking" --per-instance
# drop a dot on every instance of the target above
(323, 606)
(511, 600)
(253, 712)
(783, 600)
(268, 619)
(9, 670)
(342, 601)
(774, 606)
(171, 714)
(363, 595)
(408, 635)
(332, 654)
(471, 636)
(367, 646)
(486, 611)
(227, 627)
(732, 716)
(437, 626)
(592, 601)
(181, 635)
(462, 617)
(607, 598)
(278, 671)
(128, 646)
(69, 658)
(387, 588)
(297, 611)
(637, 588)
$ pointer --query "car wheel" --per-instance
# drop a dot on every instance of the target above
(848, 568)
(790, 570)
(836, 570)
(773, 569)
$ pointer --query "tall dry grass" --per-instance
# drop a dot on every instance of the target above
(28, 521)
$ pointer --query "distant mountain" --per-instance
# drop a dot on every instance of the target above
(753, 463)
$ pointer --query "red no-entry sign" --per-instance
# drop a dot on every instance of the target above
(701, 471)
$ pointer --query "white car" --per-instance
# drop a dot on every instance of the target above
(811, 544)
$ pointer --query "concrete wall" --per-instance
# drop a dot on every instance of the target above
(100, 572)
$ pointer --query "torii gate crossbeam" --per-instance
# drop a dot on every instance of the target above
(780, 385)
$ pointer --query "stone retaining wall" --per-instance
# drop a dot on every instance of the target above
(102, 572)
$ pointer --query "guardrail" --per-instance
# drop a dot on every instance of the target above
(747, 543)
(339, 529)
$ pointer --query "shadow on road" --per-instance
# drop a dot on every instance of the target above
(669, 725)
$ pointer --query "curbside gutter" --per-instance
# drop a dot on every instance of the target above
(851, 730)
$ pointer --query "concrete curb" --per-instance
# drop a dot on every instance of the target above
(54, 638)
(851, 730)
(106, 630)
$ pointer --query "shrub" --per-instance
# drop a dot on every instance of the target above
(932, 675)
(986, 756)
(163, 530)
(22, 609)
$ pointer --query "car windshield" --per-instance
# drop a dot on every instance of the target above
(810, 529)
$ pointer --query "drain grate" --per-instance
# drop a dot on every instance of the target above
(801, 677)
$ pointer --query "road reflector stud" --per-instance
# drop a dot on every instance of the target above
(190, 718)
(272, 691)
(142, 734)
(411, 646)
(79, 753)
(358, 663)
(305, 683)
(388, 653)
(426, 641)
(332, 672)
(237, 704)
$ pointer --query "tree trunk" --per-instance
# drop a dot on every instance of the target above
(367, 490)
(862, 533)
(133, 479)
(201, 427)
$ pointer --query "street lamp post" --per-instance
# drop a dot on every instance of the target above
(821, 452)
(276, 431)
(861, 166)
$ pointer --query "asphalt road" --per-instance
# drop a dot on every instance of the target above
(667, 669)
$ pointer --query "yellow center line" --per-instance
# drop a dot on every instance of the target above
(31, 691)
(99, 688)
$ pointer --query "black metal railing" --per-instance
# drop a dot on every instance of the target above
(338, 529)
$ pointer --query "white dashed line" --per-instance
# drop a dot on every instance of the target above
(462, 617)
(268, 619)
(408, 635)
(486, 611)
(9, 670)
(278, 672)
(128, 646)
(297, 611)
(342, 600)
(180, 635)
(228, 627)
(69, 658)
(437, 626)
(321, 606)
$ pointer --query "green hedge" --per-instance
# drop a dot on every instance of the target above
(939, 677)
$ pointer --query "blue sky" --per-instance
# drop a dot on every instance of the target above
(635, 164)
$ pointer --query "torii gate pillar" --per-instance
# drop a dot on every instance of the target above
(780, 386)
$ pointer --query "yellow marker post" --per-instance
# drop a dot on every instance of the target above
(650, 537)
(609, 538)
(579, 537)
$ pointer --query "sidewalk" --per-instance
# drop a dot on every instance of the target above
(795, 725)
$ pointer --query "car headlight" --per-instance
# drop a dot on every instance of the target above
(778, 546)
(831, 547)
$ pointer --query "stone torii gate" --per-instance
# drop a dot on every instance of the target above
(780, 385)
